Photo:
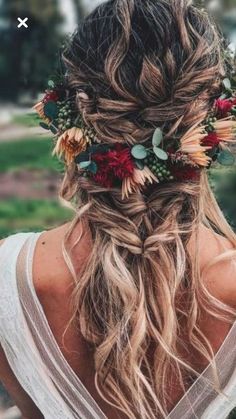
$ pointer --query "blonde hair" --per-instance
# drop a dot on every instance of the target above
(127, 296)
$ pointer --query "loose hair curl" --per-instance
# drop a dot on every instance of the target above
(143, 64)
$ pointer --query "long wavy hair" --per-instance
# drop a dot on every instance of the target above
(143, 64)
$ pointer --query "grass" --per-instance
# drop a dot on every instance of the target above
(31, 215)
(27, 120)
(34, 153)
(36, 215)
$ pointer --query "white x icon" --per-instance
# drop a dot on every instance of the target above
(22, 22)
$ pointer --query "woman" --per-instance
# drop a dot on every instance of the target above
(129, 310)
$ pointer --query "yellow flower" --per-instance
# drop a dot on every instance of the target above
(70, 143)
(135, 182)
(191, 145)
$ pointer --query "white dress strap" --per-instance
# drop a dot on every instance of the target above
(9, 252)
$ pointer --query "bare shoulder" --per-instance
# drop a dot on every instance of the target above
(50, 269)
(218, 265)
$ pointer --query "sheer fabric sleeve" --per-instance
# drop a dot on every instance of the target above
(28, 348)
(16, 339)
(72, 391)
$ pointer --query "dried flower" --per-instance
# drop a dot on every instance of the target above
(70, 143)
(191, 144)
(113, 165)
(211, 140)
(223, 107)
(226, 129)
(136, 182)
(39, 108)
(51, 95)
(185, 173)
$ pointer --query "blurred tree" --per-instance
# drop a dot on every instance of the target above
(80, 9)
(28, 55)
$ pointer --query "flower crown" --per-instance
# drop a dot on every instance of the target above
(131, 168)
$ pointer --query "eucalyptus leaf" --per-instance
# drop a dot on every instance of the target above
(93, 167)
(223, 96)
(227, 83)
(50, 110)
(157, 137)
(226, 158)
(139, 152)
(51, 84)
(140, 164)
(161, 154)
(84, 156)
(53, 129)
(44, 125)
(85, 164)
(55, 123)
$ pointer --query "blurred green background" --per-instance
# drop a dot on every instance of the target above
(29, 175)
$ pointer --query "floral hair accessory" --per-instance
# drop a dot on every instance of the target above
(131, 168)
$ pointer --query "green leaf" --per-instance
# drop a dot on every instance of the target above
(51, 84)
(55, 123)
(226, 158)
(157, 137)
(227, 83)
(44, 125)
(85, 164)
(223, 96)
(53, 129)
(161, 154)
(140, 164)
(51, 110)
(93, 167)
(84, 156)
(233, 110)
(139, 152)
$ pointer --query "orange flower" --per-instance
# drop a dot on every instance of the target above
(70, 143)
(135, 182)
(191, 144)
(39, 108)
(226, 129)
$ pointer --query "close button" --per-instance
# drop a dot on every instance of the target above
(22, 22)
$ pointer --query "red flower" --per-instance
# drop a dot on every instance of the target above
(115, 164)
(185, 173)
(211, 140)
(223, 106)
(102, 177)
(51, 95)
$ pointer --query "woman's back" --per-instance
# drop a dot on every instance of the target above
(54, 291)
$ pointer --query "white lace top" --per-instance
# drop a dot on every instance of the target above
(44, 373)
